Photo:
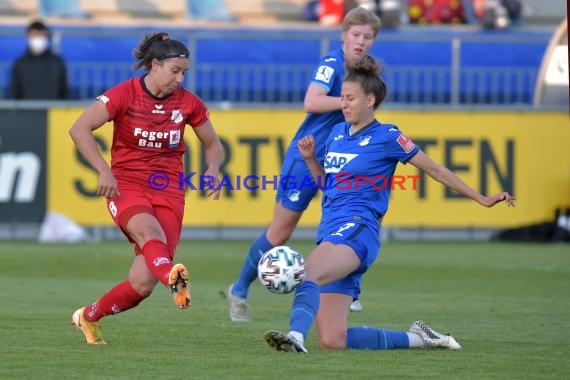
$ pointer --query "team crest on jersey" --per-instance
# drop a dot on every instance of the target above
(334, 162)
(406, 143)
(324, 73)
(365, 140)
(176, 116)
(294, 195)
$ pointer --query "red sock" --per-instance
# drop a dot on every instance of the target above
(157, 260)
(120, 298)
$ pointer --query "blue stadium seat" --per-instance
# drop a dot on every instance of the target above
(61, 8)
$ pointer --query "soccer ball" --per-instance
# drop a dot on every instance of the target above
(281, 269)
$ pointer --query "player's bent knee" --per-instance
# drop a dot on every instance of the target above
(143, 287)
(142, 233)
(143, 291)
(279, 236)
(333, 342)
(149, 234)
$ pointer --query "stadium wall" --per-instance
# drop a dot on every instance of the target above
(527, 153)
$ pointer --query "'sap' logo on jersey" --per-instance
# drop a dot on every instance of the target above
(324, 73)
(334, 162)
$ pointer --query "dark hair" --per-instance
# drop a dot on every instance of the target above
(159, 46)
(37, 25)
(367, 73)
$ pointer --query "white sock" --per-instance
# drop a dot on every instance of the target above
(298, 337)
(415, 340)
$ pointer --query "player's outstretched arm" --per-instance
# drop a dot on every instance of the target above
(448, 178)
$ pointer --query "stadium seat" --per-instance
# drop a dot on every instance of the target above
(266, 11)
(61, 8)
(208, 10)
(133, 9)
(25, 8)
(130, 11)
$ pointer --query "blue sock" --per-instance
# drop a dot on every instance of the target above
(248, 272)
(305, 307)
(371, 338)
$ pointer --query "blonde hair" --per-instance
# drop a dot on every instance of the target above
(361, 16)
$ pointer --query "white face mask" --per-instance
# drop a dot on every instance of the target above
(38, 44)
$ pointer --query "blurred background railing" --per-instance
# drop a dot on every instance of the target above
(436, 66)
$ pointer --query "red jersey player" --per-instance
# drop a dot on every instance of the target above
(141, 184)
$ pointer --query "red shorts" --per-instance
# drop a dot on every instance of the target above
(169, 212)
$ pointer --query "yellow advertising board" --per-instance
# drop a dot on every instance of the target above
(526, 153)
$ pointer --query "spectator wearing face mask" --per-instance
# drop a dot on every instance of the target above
(39, 73)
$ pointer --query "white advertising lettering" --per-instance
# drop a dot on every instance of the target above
(25, 167)
(157, 139)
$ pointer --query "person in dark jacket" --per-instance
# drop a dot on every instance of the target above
(39, 73)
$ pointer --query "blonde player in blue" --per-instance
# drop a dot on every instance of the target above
(360, 152)
(323, 107)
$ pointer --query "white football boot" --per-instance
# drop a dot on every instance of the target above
(433, 339)
(238, 307)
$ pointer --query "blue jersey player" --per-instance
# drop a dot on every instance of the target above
(323, 107)
(361, 158)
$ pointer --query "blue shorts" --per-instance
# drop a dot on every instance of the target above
(365, 242)
(296, 186)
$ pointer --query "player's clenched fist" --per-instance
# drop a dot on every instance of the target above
(307, 146)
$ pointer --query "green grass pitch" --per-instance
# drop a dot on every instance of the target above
(508, 305)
